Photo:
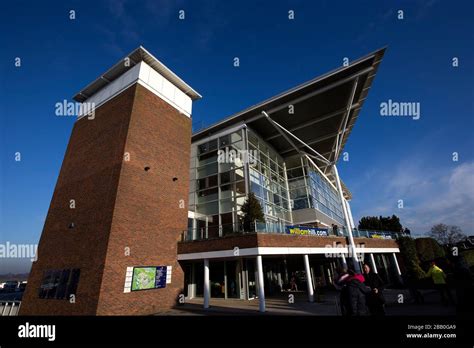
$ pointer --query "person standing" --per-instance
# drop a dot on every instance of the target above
(375, 299)
(357, 293)
(340, 285)
(293, 282)
(439, 280)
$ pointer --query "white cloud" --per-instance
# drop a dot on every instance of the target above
(430, 195)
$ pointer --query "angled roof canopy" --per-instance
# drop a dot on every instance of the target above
(135, 57)
(324, 112)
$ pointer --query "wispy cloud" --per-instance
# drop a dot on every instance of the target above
(430, 195)
(163, 11)
(207, 20)
(128, 28)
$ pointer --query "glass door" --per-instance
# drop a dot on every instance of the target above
(233, 276)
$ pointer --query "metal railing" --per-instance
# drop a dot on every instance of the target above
(358, 233)
(9, 308)
(216, 231)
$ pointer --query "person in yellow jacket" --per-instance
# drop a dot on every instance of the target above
(439, 281)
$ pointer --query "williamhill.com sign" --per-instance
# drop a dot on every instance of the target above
(306, 231)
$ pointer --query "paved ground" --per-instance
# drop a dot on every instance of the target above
(327, 306)
(432, 306)
(274, 306)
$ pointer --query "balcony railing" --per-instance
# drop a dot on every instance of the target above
(216, 231)
(357, 233)
(231, 229)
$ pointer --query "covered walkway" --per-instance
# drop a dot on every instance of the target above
(254, 277)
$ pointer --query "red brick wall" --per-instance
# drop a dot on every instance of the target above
(275, 240)
(147, 216)
(118, 205)
(89, 175)
(225, 243)
(295, 241)
(377, 243)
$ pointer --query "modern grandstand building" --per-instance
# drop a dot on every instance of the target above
(130, 168)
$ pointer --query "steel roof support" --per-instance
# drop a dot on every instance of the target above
(320, 172)
(282, 131)
(292, 102)
(321, 90)
(316, 120)
(345, 120)
(277, 127)
(347, 221)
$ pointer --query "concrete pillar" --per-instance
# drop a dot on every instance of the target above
(279, 279)
(385, 267)
(244, 279)
(192, 285)
(372, 261)
(349, 212)
(396, 264)
(309, 279)
(225, 280)
(344, 262)
(261, 289)
(194, 232)
(285, 266)
(207, 285)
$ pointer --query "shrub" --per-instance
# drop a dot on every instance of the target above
(428, 249)
(410, 259)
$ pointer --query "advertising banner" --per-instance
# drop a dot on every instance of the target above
(309, 231)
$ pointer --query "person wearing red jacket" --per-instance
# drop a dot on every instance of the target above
(357, 293)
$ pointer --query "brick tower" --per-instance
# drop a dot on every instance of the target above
(109, 242)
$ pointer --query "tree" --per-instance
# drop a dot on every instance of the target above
(252, 212)
(381, 223)
(447, 235)
(428, 249)
(410, 258)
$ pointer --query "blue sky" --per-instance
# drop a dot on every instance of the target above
(391, 158)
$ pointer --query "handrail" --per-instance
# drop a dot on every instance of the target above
(9, 310)
(216, 231)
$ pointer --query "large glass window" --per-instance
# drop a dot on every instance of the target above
(219, 185)
(218, 182)
(308, 189)
(267, 180)
(59, 284)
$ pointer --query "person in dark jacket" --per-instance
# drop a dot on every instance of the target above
(464, 284)
(340, 284)
(357, 293)
(375, 299)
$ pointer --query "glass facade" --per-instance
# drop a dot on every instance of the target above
(267, 180)
(226, 167)
(217, 187)
(308, 189)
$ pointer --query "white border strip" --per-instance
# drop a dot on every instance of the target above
(139, 74)
(279, 251)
